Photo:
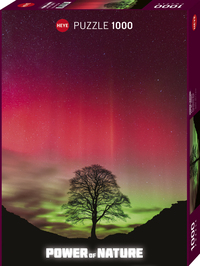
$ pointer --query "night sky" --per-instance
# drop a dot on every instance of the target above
(111, 97)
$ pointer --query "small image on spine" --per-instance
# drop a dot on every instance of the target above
(194, 162)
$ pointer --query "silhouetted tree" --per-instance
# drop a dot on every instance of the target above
(94, 195)
(194, 158)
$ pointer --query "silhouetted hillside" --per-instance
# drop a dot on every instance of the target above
(163, 239)
(24, 244)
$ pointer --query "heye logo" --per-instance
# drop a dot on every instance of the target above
(26, 5)
(194, 22)
(62, 25)
(177, 5)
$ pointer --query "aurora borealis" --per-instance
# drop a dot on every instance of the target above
(113, 97)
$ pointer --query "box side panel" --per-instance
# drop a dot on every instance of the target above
(194, 133)
(1, 124)
(101, 4)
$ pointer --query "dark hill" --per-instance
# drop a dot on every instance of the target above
(24, 244)
(163, 239)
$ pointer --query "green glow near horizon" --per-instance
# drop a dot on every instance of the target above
(148, 192)
(141, 216)
(140, 212)
(195, 144)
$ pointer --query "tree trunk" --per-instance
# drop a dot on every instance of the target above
(93, 231)
(94, 222)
